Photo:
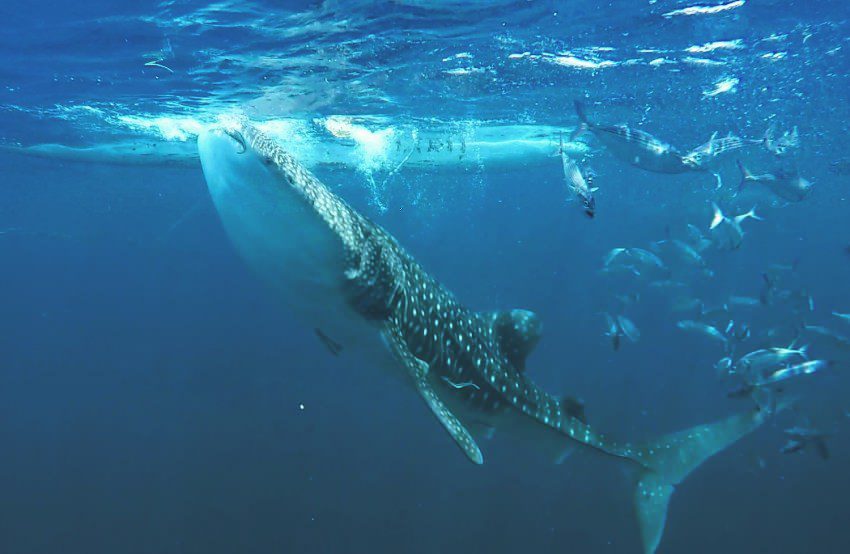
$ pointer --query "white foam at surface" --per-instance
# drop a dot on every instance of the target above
(736, 44)
(705, 10)
(723, 86)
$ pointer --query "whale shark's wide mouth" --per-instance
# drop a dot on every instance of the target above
(238, 138)
(221, 142)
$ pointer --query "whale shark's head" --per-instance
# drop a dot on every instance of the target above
(238, 154)
(287, 225)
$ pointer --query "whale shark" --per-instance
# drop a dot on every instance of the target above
(366, 296)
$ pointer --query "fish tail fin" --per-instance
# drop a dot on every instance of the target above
(767, 139)
(583, 125)
(718, 216)
(668, 461)
(749, 215)
(745, 175)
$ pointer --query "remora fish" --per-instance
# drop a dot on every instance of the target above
(634, 146)
(788, 186)
(345, 275)
(727, 232)
(576, 182)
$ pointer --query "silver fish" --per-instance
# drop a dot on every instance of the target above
(779, 146)
(724, 365)
(628, 299)
(706, 154)
(836, 340)
(688, 253)
(686, 303)
(696, 238)
(628, 328)
(702, 328)
(620, 326)
(804, 368)
(669, 285)
(758, 361)
(727, 232)
(744, 301)
(790, 186)
(801, 437)
(634, 146)
(638, 260)
(577, 183)
(613, 331)
(845, 317)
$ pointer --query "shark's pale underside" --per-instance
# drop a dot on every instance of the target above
(365, 295)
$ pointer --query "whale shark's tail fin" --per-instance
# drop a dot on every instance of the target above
(669, 460)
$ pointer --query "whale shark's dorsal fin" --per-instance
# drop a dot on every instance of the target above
(517, 333)
(418, 371)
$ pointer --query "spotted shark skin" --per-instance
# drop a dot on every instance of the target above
(467, 366)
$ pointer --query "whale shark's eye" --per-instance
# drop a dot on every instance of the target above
(237, 136)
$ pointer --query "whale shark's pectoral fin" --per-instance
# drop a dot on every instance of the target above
(418, 371)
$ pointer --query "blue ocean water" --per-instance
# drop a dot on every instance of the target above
(155, 395)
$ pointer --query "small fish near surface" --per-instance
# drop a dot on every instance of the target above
(578, 184)
(634, 146)
(727, 232)
(787, 185)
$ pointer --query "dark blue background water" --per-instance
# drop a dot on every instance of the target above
(150, 386)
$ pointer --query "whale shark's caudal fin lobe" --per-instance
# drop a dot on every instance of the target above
(652, 498)
(669, 460)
